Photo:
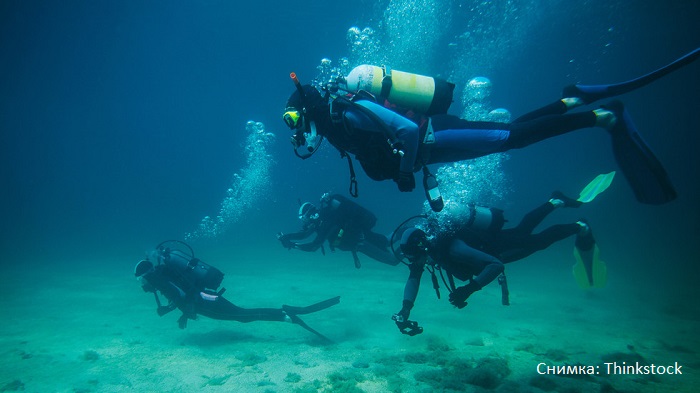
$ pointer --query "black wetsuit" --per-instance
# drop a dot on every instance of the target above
(192, 301)
(479, 256)
(346, 226)
(512, 244)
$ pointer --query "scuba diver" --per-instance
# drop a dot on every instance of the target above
(396, 123)
(190, 285)
(346, 226)
(478, 248)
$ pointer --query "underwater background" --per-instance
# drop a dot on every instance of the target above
(126, 123)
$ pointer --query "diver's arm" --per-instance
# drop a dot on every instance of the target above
(322, 233)
(410, 291)
(162, 310)
(312, 245)
(177, 298)
(485, 266)
(405, 326)
(304, 233)
(404, 129)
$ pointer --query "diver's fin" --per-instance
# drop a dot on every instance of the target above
(595, 187)
(300, 322)
(591, 93)
(639, 165)
(293, 310)
(589, 270)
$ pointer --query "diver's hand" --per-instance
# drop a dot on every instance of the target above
(286, 243)
(406, 181)
(458, 297)
(405, 312)
(405, 326)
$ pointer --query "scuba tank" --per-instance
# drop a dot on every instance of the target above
(485, 218)
(423, 94)
(194, 270)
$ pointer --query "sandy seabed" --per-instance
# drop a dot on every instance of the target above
(94, 330)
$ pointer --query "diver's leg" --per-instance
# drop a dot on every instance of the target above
(457, 139)
(516, 246)
(532, 219)
(374, 246)
(551, 235)
(379, 255)
(216, 307)
(525, 133)
(556, 108)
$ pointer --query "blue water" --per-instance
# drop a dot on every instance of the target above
(122, 123)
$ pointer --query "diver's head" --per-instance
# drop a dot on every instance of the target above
(414, 244)
(141, 272)
(305, 107)
(308, 213)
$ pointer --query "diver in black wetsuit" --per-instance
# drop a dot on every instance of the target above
(190, 285)
(477, 252)
(346, 226)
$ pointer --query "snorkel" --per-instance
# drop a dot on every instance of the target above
(297, 84)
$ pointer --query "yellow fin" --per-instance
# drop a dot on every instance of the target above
(596, 186)
(598, 275)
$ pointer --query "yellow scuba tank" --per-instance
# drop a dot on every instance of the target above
(423, 94)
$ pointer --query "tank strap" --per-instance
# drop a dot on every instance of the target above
(386, 87)
(429, 137)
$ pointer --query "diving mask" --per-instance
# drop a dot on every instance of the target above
(141, 270)
(292, 118)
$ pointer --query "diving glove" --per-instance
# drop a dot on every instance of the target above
(459, 296)
(286, 243)
(405, 326)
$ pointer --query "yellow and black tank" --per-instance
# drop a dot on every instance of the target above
(423, 94)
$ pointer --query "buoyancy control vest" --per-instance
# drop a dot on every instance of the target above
(378, 153)
(194, 271)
